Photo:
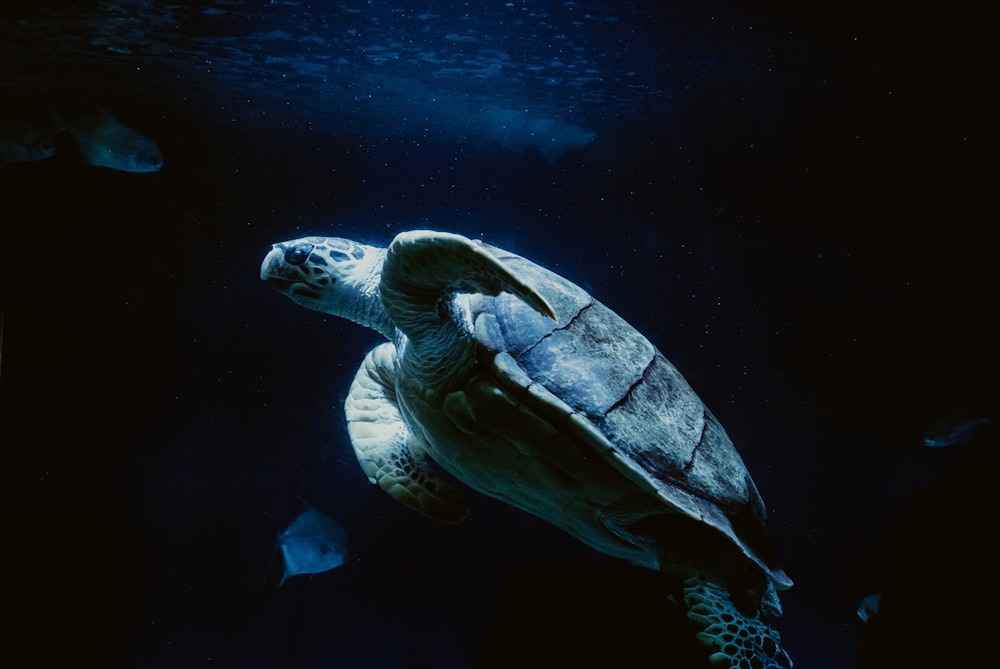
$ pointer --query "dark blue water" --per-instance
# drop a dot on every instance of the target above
(795, 206)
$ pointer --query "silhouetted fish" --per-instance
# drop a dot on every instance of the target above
(951, 431)
(868, 606)
(26, 134)
(30, 128)
(105, 141)
(312, 544)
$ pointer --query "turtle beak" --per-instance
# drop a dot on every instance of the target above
(274, 271)
(268, 267)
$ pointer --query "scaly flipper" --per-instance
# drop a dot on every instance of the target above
(424, 268)
(389, 453)
(736, 641)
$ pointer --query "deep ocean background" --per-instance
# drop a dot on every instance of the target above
(797, 206)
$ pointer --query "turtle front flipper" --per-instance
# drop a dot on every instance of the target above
(390, 454)
(423, 269)
(736, 640)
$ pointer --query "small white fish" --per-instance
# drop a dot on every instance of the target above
(951, 431)
(312, 544)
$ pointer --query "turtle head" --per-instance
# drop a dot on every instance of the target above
(332, 275)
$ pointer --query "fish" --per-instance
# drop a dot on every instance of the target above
(26, 135)
(312, 544)
(34, 128)
(868, 607)
(104, 141)
(25, 144)
(953, 430)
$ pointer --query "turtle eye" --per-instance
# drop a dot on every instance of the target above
(298, 254)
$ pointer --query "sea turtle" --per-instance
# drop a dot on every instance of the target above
(520, 385)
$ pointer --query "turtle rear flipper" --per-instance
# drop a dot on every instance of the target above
(736, 639)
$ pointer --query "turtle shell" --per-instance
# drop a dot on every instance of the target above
(593, 377)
